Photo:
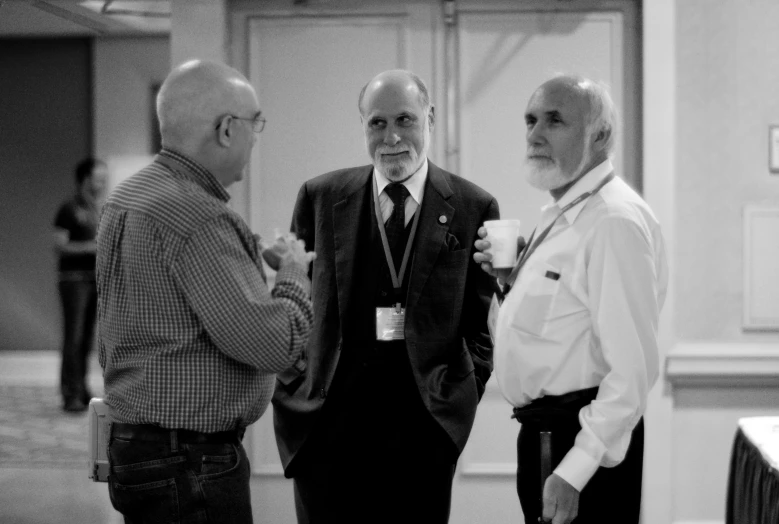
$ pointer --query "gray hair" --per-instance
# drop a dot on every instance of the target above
(602, 114)
(424, 95)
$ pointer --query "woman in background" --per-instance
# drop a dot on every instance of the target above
(76, 229)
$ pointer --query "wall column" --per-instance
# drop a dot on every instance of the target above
(659, 136)
(198, 30)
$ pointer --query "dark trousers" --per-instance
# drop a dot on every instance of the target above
(381, 488)
(379, 455)
(178, 476)
(613, 495)
(79, 306)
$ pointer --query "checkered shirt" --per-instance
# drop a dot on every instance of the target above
(189, 334)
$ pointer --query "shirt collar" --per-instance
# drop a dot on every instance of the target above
(415, 183)
(587, 182)
(196, 172)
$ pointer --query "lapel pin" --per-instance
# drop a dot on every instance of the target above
(442, 219)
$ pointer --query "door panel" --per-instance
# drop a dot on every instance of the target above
(504, 57)
(308, 72)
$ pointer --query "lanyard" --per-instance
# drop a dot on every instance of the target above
(533, 245)
(396, 276)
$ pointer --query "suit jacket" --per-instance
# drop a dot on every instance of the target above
(446, 306)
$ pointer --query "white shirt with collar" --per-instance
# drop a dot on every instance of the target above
(416, 188)
(595, 325)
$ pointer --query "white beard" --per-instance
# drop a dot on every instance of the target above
(401, 169)
(546, 175)
(397, 170)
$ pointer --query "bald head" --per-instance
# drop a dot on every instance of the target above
(193, 98)
(399, 79)
(595, 102)
(570, 125)
(208, 112)
(397, 120)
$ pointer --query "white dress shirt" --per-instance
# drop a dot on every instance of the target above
(416, 189)
(596, 325)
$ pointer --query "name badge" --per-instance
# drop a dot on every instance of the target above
(390, 322)
(492, 317)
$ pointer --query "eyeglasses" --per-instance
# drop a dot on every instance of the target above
(258, 122)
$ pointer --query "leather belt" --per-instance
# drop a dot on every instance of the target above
(152, 433)
(549, 412)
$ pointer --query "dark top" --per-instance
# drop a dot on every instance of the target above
(79, 218)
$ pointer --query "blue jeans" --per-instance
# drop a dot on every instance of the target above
(171, 480)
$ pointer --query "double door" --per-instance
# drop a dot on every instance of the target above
(481, 60)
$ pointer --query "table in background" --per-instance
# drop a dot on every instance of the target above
(753, 483)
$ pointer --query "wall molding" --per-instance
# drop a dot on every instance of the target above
(703, 364)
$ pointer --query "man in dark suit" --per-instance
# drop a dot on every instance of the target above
(371, 419)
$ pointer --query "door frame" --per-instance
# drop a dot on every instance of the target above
(634, 40)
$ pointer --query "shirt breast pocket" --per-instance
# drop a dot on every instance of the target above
(535, 304)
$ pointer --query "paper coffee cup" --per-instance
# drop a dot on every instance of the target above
(502, 236)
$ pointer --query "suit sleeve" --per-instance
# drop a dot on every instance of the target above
(478, 293)
(303, 221)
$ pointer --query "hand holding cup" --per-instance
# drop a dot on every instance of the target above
(286, 249)
(498, 247)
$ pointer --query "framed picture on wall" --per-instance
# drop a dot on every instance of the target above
(773, 149)
(760, 270)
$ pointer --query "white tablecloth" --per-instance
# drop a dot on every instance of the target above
(763, 432)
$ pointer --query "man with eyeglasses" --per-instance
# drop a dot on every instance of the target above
(190, 336)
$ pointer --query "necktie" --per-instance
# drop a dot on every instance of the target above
(396, 224)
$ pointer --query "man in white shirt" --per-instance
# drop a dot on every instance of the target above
(576, 334)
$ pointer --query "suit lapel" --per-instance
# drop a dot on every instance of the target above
(434, 221)
(347, 219)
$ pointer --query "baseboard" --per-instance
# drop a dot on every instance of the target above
(40, 368)
(699, 522)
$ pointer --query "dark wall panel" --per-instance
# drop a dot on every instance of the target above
(45, 129)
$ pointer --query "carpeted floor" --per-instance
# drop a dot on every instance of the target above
(36, 433)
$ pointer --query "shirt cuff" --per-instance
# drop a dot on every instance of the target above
(296, 273)
(577, 468)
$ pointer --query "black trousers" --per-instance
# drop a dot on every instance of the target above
(378, 489)
(613, 495)
(379, 455)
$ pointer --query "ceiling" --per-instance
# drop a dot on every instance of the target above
(71, 18)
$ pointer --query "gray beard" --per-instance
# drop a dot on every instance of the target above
(397, 171)
(551, 177)
(546, 178)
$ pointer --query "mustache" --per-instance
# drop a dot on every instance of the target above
(535, 153)
(391, 151)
